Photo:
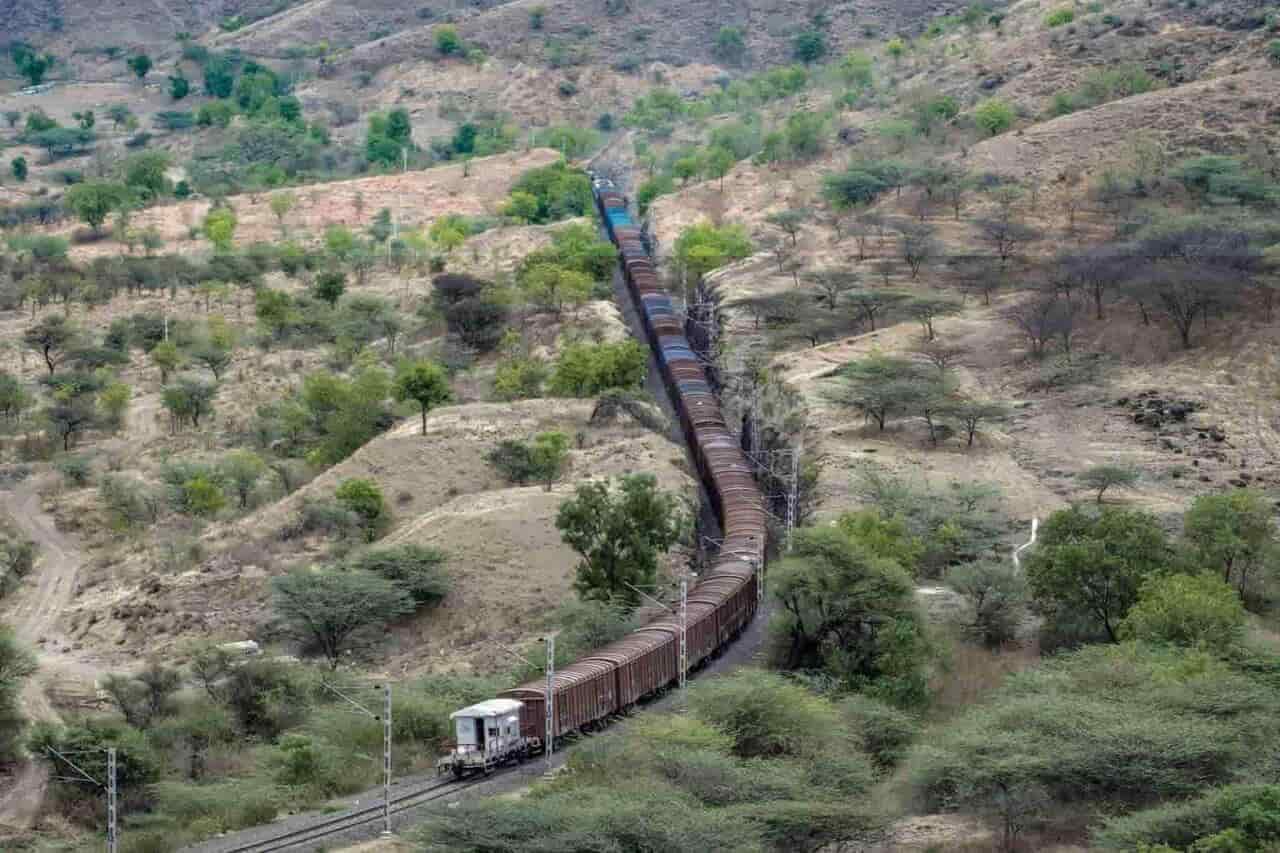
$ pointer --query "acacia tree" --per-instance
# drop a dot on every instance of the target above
(1232, 533)
(424, 382)
(1040, 320)
(927, 309)
(52, 337)
(871, 303)
(333, 609)
(1005, 234)
(880, 387)
(832, 284)
(1103, 477)
(619, 533)
(1091, 566)
(918, 245)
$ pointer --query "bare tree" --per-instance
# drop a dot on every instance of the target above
(1005, 235)
(871, 304)
(832, 284)
(917, 244)
(927, 309)
(1041, 319)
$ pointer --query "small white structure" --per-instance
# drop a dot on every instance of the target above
(487, 735)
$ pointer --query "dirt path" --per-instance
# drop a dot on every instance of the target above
(33, 613)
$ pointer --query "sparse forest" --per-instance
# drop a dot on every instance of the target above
(316, 375)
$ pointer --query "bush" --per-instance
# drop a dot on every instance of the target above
(364, 498)
(417, 568)
(1198, 611)
(997, 594)
(269, 696)
(220, 806)
(994, 116)
(584, 370)
(561, 192)
(541, 460)
(447, 40)
(885, 731)
(519, 378)
(76, 469)
(1058, 17)
(1237, 817)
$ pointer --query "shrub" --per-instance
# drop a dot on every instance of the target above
(76, 469)
(364, 498)
(447, 40)
(584, 369)
(519, 378)
(219, 806)
(994, 116)
(1199, 611)
(1231, 818)
(561, 192)
(415, 567)
(997, 594)
(885, 731)
(541, 460)
(1058, 17)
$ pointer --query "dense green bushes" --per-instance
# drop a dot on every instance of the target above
(557, 192)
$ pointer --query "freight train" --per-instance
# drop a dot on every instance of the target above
(616, 677)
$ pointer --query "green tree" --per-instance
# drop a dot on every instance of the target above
(33, 65)
(140, 65)
(789, 221)
(86, 119)
(17, 664)
(94, 201)
(202, 496)
(1091, 566)
(703, 247)
(179, 86)
(850, 612)
(619, 533)
(330, 285)
(213, 356)
(188, 400)
(997, 595)
(1199, 611)
(730, 46)
(809, 46)
(166, 356)
(882, 387)
(18, 166)
(1103, 477)
(281, 203)
(220, 228)
(333, 609)
(242, 469)
(113, 400)
(852, 188)
(540, 460)
(720, 162)
(896, 48)
(364, 498)
(424, 382)
(145, 172)
(994, 116)
(1232, 533)
(52, 337)
(553, 287)
(447, 40)
(419, 569)
(584, 369)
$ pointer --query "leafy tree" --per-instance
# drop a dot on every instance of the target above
(1229, 819)
(447, 40)
(552, 287)
(416, 568)
(281, 203)
(145, 172)
(997, 596)
(18, 166)
(424, 382)
(32, 65)
(94, 201)
(619, 533)
(330, 285)
(703, 247)
(188, 400)
(389, 136)
(166, 356)
(86, 119)
(789, 221)
(1103, 477)
(880, 387)
(1199, 611)
(11, 117)
(1232, 533)
(849, 611)
(719, 163)
(585, 370)
(332, 609)
(364, 498)
(1091, 566)
(852, 188)
(730, 45)
(52, 337)
(562, 192)
(145, 697)
(179, 86)
(994, 116)
(973, 413)
(809, 46)
(140, 65)
(220, 228)
(70, 415)
(213, 356)
(113, 400)
(17, 664)
(927, 309)
(119, 114)
(242, 469)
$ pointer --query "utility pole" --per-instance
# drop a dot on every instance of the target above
(793, 496)
(385, 718)
(113, 836)
(551, 698)
(386, 759)
(684, 632)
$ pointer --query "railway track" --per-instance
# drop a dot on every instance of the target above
(355, 818)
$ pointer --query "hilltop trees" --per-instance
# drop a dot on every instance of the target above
(423, 382)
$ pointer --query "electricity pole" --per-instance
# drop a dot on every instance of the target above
(551, 698)
(385, 718)
(684, 632)
(113, 836)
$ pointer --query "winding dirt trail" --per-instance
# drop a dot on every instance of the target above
(33, 612)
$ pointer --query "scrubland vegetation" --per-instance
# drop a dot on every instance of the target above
(948, 271)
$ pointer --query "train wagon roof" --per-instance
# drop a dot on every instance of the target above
(489, 708)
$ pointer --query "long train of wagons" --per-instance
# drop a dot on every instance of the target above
(616, 677)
